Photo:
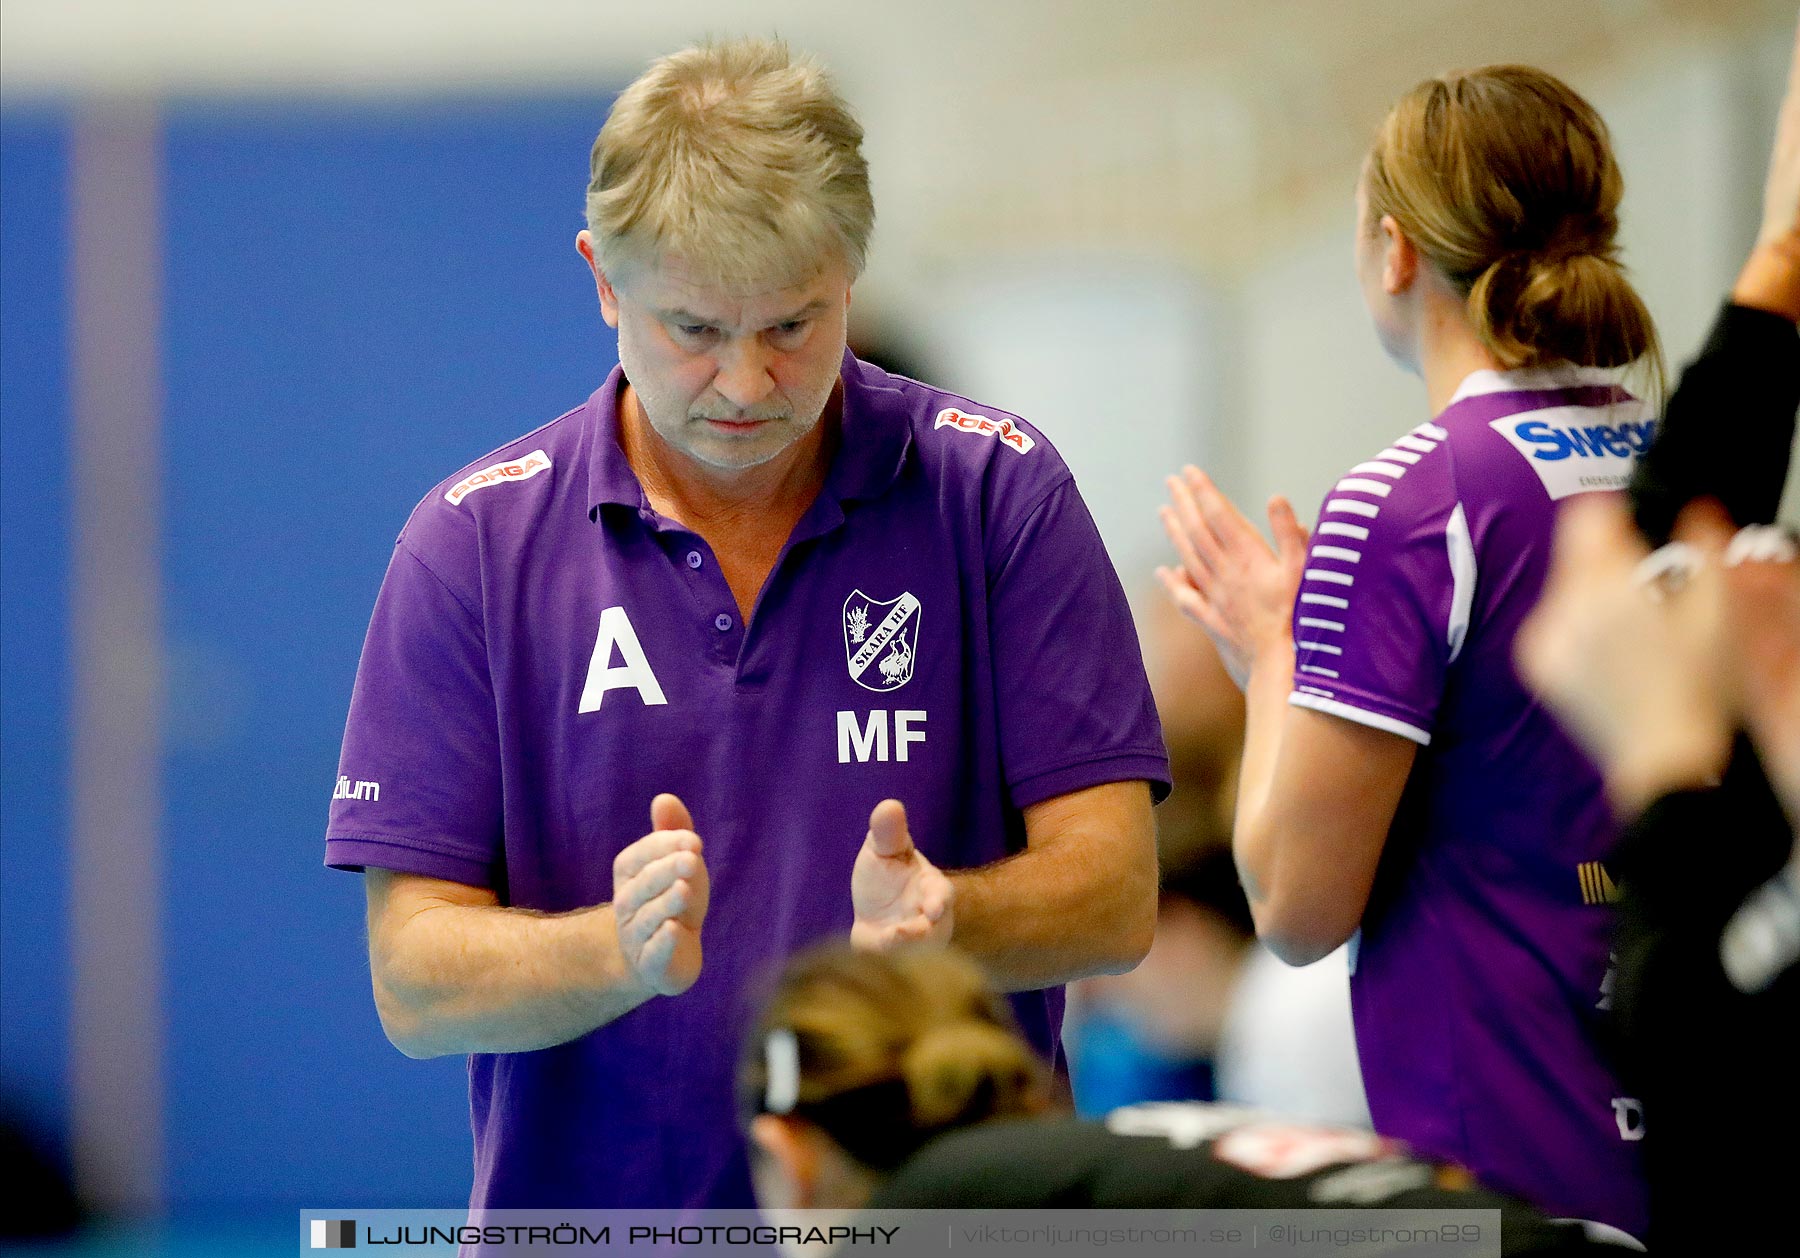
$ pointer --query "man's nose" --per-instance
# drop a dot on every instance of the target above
(743, 378)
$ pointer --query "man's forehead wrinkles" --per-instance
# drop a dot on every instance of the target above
(673, 284)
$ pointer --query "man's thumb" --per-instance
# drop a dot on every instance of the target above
(887, 827)
(667, 812)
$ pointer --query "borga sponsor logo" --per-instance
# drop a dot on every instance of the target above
(346, 789)
(1004, 431)
(520, 469)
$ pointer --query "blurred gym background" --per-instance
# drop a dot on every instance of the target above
(268, 271)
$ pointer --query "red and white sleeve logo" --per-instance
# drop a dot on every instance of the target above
(519, 469)
(1004, 431)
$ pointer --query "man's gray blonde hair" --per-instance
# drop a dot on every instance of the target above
(738, 158)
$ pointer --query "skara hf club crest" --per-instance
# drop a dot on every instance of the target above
(881, 640)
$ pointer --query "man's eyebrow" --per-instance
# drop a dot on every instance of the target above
(818, 305)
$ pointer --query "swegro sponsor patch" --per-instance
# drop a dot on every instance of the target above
(1572, 454)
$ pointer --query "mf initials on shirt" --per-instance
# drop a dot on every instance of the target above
(870, 739)
(631, 673)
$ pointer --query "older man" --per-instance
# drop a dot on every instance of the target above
(759, 637)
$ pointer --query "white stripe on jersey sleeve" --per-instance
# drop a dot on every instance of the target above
(1377, 468)
(1390, 465)
(1321, 701)
(1462, 579)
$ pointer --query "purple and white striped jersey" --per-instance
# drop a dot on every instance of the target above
(1482, 971)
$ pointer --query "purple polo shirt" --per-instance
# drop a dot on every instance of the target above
(548, 653)
(1481, 975)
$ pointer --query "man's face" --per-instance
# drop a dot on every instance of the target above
(730, 379)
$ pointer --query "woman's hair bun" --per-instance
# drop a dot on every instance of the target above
(966, 1072)
(1574, 306)
(891, 1049)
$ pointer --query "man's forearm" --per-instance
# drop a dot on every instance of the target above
(487, 979)
(1082, 903)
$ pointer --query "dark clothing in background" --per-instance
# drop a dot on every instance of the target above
(1728, 430)
(1713, 1066)
(1192, 1156)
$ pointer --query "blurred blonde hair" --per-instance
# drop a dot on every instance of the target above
(740, 159)
(895, 1048)
(1504, 179)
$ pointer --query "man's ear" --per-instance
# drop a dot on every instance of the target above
(1400, 260)
(609, 300)
(785, 1141)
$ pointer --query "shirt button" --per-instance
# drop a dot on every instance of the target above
(722, 622)
(693, 559)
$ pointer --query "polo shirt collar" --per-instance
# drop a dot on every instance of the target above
(610, 478)
(875, 434)
(874, 440)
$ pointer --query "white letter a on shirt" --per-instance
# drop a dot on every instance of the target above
(603, 675)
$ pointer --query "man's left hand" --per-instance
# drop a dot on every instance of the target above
(898, 896)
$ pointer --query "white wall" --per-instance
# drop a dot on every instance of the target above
(1118, 364)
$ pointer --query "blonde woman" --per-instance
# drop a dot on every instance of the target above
(1398, 779)
(896, 1081)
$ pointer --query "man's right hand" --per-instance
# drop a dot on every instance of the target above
(660, 893)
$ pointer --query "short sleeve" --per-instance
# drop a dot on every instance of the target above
(418, 788)
(1375, 623)
(1073, 700)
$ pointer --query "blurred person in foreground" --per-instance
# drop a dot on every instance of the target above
(1681, 674)
(759, 638)
(898, 1082)
(1399, 781)
(1659, 685)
